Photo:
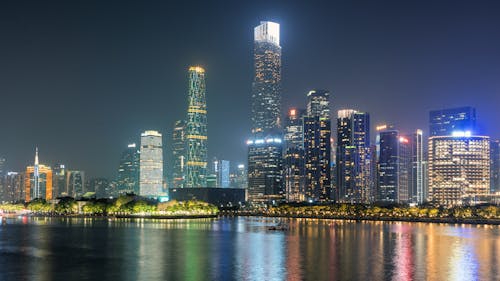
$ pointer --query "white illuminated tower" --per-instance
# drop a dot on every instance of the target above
(36, 176)
(151, 165)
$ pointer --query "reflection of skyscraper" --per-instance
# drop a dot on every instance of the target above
(151, 164)
(317, 146)
(196, 130)
(443, 122)
(459, 168)
(128, 171)
(38, 181)
(178, 154)
(265, 146)
(354, 163)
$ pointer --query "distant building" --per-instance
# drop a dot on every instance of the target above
(265, 178)
(395, 164)
(239, 177)
(294, 171)
(444, 122)
(317, 147)
(100, 186)
(38, 181)
(459, 168)
(178, 154)
(354, 162)
(59, 181)
(196, 130)
(418, 181)
(222, 197)
(495, 166)
(151, 165)
(128, 170)
(75, 184)
(13, 187)
(221, 170)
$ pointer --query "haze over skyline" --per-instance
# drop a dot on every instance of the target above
(80, 80)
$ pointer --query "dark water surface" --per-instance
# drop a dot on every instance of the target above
(244, 249)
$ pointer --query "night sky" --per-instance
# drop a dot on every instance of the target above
(81, 79)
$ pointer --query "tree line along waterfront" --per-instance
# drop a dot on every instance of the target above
(121, 206)
(135, 206)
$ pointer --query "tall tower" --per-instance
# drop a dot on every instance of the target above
(265, 146)
(151, 164)
(444, 122)
(128, 171)
(317, 146)
(38, 181)
(294, 155)
(196, 130)
(178, 154)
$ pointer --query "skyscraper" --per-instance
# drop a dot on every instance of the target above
(14, 186)
(444, 122)
(265, 145)
(221, 170)
(395, 163)
(178, 154)
(317, 146)
(59, 181)
(151, 165)
(459, 168)
(354, 161)
(128, 170)
(38, 181)
(196, 130)
(418, 184)
(495, 166)
(75, 183)
(294, 173)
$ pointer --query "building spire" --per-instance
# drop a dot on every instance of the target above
(36, 155)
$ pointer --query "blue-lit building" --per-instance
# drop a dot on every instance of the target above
(444, 122)
(495, 166)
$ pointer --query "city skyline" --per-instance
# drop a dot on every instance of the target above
(77, 105)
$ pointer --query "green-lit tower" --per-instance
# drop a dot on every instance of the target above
(196, 130)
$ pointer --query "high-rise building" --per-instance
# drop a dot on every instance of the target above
(239, 177)
(317, 147)
(265, 146)
(444, 122)
(266, 88)
(128, 170)
(294, 173)
(38, 181)
(196, 130)
(354, 161)
(178, 154)
(59, 181)
(14, 187)
(75, 183)
(418, 184)
(394, 164)
(459, 168)
(495, 166)
(151, 165)
(223, 173)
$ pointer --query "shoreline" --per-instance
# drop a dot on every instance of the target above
(385, 219)
(110, 217)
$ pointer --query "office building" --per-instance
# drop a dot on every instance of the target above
(13, 184)
(178, 154)
(151, 165)
(128, 170)
(59, 181)
(196, 130)
(394, 167)
(75, 183)
(317, 147)
(353, 157)
(265, 146)
(38, 181)
(444, 122)
(294, 173)
(459, 168)
(495, 166)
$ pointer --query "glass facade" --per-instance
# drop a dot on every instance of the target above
(178, 154)
(196, 130)
(128, 171)
(151, 164)
(444, 122)
(294, 172)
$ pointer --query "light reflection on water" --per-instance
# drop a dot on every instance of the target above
(244, 249)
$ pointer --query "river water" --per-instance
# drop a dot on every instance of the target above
(244, 248)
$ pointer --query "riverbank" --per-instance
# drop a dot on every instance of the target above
(354, 218)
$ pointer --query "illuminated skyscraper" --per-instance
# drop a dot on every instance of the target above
(418, 182)
(178, 154)
(395, 164)
(14, 186)
(444, 122)
(196, 130)
(128, 171)
(265, 145)
(151, 165)
(59, 181)
(354, 162)
(317, 146)
(38, 181)
(495, 166)
(294, 173)
(459, 168)
(75, 183)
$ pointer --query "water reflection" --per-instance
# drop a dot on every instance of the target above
(245, 249)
